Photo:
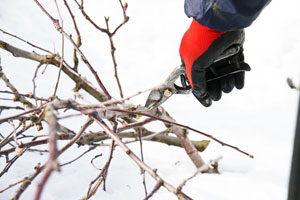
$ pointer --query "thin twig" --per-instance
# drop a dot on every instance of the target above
(33, 81)
(102, 176)
(11, 185)
(118, 101)
(14, 131)
(78, 42)
(155, 189)
(126, 18)
(83, 57)
(180, 195)
(76, 137)
(92, 161)
(181, 125)
(112, 51)
(12, 161)
(142, 157)
(135, 124)
(31, 44)
(78, 157)
(62, 50)
(8, 138)
(6, 119)
(25, 95)
(198, 171)
(110, 36)
(87, 17)
(10, 107)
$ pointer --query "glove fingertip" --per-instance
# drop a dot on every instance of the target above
(239, 80)
(206, 101)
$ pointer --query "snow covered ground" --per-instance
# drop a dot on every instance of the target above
(259, 119)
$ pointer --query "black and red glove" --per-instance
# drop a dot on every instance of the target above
(203, 50)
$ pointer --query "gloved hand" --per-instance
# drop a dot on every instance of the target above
(203, 50)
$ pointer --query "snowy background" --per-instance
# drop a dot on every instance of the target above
(259, 119)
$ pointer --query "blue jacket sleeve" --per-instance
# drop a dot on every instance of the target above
(225, 15)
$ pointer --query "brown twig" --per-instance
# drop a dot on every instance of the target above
(62, 50)
(135, 125)
(92, 161)
(76, 137)
(33, 81)
(87, 17)
(31, 96)
(78, 157)
(78, 42)
(199, 170)
(8, 138)
(110, 36)
(83, 57)
(142, 158)
(10, 107)
(31, 44)
(112, 51)
(112, 46)
(102, 176)
(125, 17)
(155, 189)
(11, 185)
(180, 125)
(12, 161)
(6, 119)
(13, 133)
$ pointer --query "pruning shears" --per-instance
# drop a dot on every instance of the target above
(164, 91)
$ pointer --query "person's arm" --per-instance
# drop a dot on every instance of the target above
(225, 15)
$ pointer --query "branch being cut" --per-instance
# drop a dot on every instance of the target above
(180, 125)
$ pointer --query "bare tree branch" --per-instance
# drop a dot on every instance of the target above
(55, 60)
(120, 122)
(31, 44)
(78, 42)
(83, 57)
(180, 195)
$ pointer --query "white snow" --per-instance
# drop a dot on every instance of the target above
(260, 119)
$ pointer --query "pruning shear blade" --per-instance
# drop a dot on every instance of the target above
(165, 90)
